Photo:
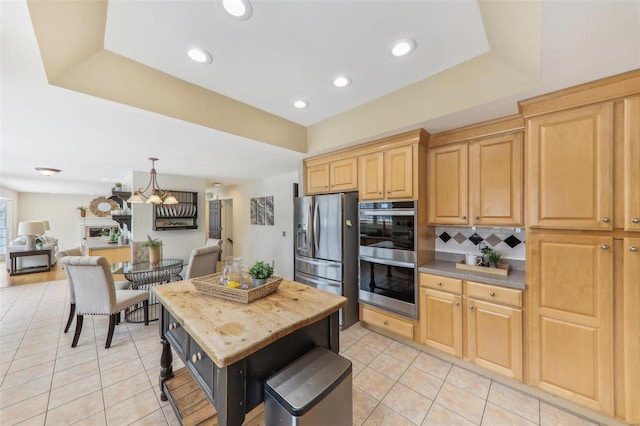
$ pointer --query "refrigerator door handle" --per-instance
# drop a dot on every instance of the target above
(310, 225)
(387, 262)
(316, 230)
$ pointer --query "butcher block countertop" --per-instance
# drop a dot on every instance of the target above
(230, 331)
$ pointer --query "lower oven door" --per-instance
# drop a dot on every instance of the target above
(389, 284)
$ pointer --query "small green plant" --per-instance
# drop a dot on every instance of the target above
(151, 242)
(261, 270)
(82, 208)
(494, 256)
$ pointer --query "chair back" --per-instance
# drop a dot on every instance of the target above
(215, 242)
(203, 261)
(76, 251)
(140, 254)
(93, 284)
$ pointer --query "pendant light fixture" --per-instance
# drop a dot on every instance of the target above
(156, 195)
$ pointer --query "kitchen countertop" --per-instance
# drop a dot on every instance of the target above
(98, 245)
(515, 279)
(230, 331)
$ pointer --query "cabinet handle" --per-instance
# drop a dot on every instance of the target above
(477, 217)
(196, 357)
(635, 220)
(385, 322)
(439, 284)
(492, 294)
(389, 192)
(464, 218)
(633, 248)
(605, 247)
(173, 326)
(605, 219)
(471, 307)
(379, 192)
(457, 303)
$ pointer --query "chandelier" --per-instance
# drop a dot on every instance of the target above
(156, 195)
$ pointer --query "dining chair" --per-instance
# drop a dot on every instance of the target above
(96, 294)
(140, 254)
(77, 251)
(215, 242)
(203, 261)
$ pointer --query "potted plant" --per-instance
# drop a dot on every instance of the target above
(260, 271)
(494, 257)
(83, 211)
(154, 245)
(117, 186)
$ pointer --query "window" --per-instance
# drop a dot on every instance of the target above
(3, 229)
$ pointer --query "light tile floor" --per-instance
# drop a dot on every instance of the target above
(43, 381)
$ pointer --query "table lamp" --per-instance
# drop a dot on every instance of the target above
(30, 230)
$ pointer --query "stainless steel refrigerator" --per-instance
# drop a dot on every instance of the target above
(326, 247)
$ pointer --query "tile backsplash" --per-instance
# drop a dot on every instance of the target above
(509, 241)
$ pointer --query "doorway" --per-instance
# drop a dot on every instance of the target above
(221, 224)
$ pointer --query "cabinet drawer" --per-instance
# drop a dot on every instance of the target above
(452, 285)
(387, 322)
(507, 296)
(201, 366)
(175, 334)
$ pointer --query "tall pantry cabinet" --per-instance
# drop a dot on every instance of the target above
(583, 257)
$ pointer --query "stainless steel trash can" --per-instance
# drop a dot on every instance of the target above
(314, 390)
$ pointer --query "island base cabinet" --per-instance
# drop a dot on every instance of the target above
(441, 324)
(494, 337)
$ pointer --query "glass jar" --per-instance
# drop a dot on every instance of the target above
(232, 271)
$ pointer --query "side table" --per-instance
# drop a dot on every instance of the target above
(13, 259)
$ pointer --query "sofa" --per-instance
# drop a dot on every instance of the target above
(19, 244)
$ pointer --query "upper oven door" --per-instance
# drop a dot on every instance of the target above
(388, 225)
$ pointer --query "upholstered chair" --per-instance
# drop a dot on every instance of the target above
(92, 281)
(203, 261)
(77, 251)
(215, 242)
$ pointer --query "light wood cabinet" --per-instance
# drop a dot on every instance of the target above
(631, 328)
(113, 255)
(496, 180)
(571, 317)
(447, 184)
(387, 175)
(492, 323)
(387, 321)
(569, 162)
(334, 176)
(632, 164)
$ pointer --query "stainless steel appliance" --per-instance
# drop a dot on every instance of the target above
(388, 269)
(326, 247)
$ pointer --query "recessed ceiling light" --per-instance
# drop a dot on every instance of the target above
(238, 9)
(199, 55)
(403, 47)
(341, 81)
(301, 104)
(47, 171)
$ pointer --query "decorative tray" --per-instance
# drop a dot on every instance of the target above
(211, 286)
(502, 269)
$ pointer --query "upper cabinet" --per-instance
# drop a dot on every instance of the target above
(632, 164)
(387, 169)
(475, 175)
(387, 174)
(333, 176)
(569, 164)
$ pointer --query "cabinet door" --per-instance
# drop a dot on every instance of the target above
(495, 180)
(448, 185)
(317, 179)
(344, 175)
(372, 176)
(571, 317)
(632, 164)
(494, 337)
(398, 172)
(441, 321)
(569, 168)
(631, 289)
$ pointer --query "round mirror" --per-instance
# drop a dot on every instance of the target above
(102, 206)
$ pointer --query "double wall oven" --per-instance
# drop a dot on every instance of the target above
(388, 259)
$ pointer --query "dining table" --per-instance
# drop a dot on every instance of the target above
(145, 276)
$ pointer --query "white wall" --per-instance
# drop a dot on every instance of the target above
(61, 212)
(175, 243)
(262, 242)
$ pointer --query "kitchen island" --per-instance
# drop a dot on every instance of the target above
(229, 349)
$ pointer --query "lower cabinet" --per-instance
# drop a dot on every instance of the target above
(492, 323)
(387, 321)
